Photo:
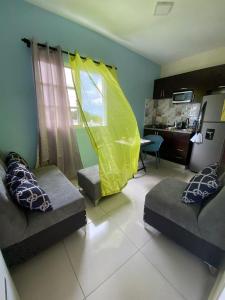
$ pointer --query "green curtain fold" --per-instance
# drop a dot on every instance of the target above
(109, 121)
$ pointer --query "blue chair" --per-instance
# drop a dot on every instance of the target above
(154, 147)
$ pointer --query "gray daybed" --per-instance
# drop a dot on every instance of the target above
(25, 233)
(200, 229)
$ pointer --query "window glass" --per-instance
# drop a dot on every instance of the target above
(72, 96)
(93, 94)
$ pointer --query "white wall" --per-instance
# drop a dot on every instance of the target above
(198, 61)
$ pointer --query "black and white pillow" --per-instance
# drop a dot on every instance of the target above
(32, 197)
(210, 170)
(200, 188)
(19, 170)
(13, 156)
(12, 182)
(14, 164)
(23, 173)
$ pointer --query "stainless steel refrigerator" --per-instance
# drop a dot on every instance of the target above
(213, 132)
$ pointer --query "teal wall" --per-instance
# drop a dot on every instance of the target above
(18, 113)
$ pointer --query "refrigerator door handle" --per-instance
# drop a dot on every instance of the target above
(201, 116)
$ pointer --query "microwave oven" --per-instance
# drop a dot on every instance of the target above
(183, 96)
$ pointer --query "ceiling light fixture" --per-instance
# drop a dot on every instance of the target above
(163, 8)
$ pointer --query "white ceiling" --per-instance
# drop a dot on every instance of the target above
(191, 27)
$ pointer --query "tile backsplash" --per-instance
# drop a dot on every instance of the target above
(165, 112)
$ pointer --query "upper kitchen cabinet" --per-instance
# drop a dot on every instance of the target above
(200, 81)
(159, 88)
(163, 88)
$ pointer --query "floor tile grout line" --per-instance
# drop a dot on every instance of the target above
(139, 248)
(114, 272)
(136, 251)
(102, 209)
(145, 243)
(93, 207)
(112, 209)
(128, 238)
(117, 224)
(67, 254)
(107, 214)
(123, 232)
(150, 238)
(163, 275)
(121, 229)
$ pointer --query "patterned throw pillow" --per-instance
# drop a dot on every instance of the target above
(23, 186)
(32, 197)
(14, 164)
(200, 188)
(13, 181)
(23, 173)
(211, 169)
(13, 156)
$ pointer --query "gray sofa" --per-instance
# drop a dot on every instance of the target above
(200, 229)
(25, 233)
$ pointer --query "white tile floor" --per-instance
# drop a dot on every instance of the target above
(117, 258)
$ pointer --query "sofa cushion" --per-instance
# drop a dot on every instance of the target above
(65, 198)
(2, 168)
(200, 188)
(3, 190)
(211, 220)
(12, 218)
(165, 200)
(13, 156)
(31, 196)
(222, 179)
(60, 190)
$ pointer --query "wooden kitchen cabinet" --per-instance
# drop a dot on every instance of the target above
(158, 89)
(181, 148)
(176, 146)
(200, 81)
(163, 88)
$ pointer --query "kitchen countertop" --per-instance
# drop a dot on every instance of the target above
(184, 131)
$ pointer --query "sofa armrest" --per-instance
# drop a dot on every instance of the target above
(211, 220)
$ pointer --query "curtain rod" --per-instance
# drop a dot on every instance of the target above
(28, 43)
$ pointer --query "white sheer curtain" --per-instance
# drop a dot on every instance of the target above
(57, 141)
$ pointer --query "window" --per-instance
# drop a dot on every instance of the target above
(74, 108)
(93, 104)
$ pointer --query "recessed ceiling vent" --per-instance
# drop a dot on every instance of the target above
(163, 8)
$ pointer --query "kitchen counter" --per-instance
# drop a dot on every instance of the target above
(185, 131)
(176, 146)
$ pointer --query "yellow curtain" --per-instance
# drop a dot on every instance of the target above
(109, 121)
